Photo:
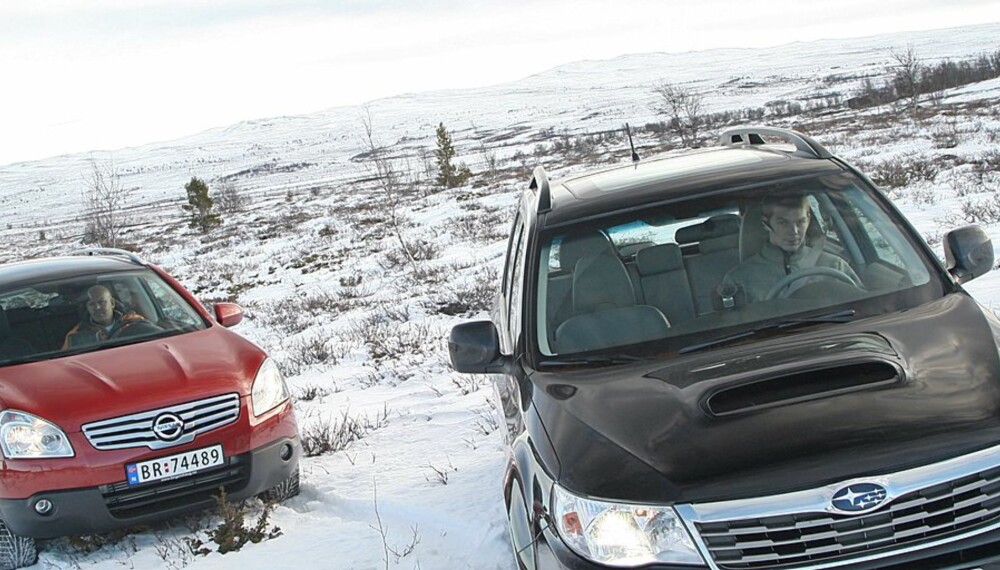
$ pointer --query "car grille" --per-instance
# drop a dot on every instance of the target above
(954, 507)
(136, 430)
(184, 494)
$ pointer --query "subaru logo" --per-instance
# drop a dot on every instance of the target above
(168, 427)
(859, 497)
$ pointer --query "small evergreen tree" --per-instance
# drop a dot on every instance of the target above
(449, 175)
(200, 205)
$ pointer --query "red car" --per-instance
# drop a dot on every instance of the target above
(123, 401)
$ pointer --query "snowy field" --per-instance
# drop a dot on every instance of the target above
(359, 330)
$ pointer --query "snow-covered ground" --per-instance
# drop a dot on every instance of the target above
(360, 331)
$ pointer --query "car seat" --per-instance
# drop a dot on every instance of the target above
(559, 291)
(11, 347)
(605, 313)
(718, 252)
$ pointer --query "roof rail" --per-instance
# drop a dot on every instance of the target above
(131, 256)
(805, 146)
(540, 183)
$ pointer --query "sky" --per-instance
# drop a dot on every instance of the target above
(89, 75)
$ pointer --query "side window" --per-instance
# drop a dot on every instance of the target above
(509, 262)
(170, 304)
(881, 246)
(514, 308)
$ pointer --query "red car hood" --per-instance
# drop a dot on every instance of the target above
(74, 390)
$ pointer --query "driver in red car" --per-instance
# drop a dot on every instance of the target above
(786, 220)
(104, 320)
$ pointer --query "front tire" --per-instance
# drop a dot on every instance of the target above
(16, 551)
(520, 529)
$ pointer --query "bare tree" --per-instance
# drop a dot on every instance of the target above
(491, 158)
(229, 199)
(390, 180)
(907, 71)
(105, 201)
(683, 109)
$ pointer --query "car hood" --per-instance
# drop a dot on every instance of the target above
(77, 389)
(807, 409)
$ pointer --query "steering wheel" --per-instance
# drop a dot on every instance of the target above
(824, 272)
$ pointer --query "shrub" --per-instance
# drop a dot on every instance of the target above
(470, 296)
(488, 225)
(311, 392)
(900, 172)
(232, 534)
(384, 335)
(981, 211)
(303, 353)
(325, 436)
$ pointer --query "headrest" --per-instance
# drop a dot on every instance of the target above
(753, 236)
(721, 243)
(577, 245)
(659, 259)
(716, 226)
(601, 282)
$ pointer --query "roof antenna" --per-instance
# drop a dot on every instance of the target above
(635, 156)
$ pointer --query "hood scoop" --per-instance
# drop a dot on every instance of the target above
(801, 386)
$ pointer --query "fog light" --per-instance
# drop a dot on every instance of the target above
(286, 452)
(43, 507)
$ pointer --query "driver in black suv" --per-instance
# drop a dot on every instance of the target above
(786, 220)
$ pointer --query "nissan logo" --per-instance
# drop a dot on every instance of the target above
(168, 427)
(859, 497)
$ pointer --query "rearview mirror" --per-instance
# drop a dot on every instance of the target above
(475, 348)
(969, 253)
(228, 314)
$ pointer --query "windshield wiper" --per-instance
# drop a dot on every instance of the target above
(844, 316)
(595, 359)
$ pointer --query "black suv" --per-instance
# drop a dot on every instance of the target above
(741, 357)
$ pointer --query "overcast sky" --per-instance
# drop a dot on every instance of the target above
(86, 75)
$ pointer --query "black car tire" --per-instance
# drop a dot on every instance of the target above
(516, 512)
(16, 551)
(282, 491)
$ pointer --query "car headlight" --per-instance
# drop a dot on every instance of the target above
(269, 388)
(619, 534)
(24, 436)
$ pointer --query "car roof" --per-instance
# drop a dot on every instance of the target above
(54, 268)
(675, 175)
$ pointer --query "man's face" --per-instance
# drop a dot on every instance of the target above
(788, 227)
(100, 305)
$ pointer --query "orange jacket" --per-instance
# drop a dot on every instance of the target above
(88, 332)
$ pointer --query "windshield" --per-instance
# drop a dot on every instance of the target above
(692, 272)
(58, 318)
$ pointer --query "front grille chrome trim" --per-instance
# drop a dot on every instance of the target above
(816, 505)
(136, 430)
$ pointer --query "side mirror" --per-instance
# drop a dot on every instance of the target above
(475, 348)
(228, 314)
(969, 253)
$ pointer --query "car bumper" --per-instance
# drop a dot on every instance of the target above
(113, 506)
(977, 552)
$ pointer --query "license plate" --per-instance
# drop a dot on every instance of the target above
(173, 466)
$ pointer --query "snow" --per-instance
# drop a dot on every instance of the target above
(318, 269)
